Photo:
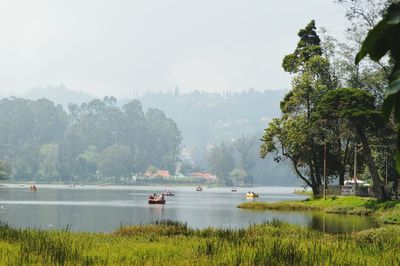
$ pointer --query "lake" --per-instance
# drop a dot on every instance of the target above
(104, 208)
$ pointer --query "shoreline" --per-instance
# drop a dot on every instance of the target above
(385, 212)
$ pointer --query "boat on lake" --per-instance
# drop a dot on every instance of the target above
(251, 195)
(156, 199)
(199, 188)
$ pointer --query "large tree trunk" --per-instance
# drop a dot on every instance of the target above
(315, 191)
(314, 181)
(341, 178)
(378, 187)
(311, 182)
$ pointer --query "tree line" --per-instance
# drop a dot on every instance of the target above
(333, 109)
(41, 141)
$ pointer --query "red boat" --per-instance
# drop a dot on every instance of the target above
(155, 199)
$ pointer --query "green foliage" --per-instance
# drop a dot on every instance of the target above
(294, 136)
(245, 148)
(221, 162)
(356, 105)
(115, 161)
(384, 39)
(26, 163)
(238, 176)
(307, 47)
(171, 243)
(48, 161)
(88, 161)
(358, 108)
(152, 170)
(45, 142)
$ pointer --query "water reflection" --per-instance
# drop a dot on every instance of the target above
(334, 223)
(103, 209)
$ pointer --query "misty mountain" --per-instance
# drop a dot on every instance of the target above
(57, 94)
(214, 117)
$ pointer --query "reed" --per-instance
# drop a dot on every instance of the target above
(271, 243)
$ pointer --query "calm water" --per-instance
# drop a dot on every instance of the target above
(103, 209)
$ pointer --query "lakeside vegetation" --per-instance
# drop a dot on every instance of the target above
(171, 243)
(387, 212)
(339, 106)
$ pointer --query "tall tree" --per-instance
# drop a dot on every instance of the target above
(358, 107)
(247, 156)
(221, 162)
(293, 135)
(308, 46)
(48, 162)
(245, 148)
(116, 161)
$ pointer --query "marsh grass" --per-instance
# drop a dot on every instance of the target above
(173, 243)
(386, 212)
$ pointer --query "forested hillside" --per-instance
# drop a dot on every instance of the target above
(206, 121)
(42, 141)
(215, 117)
(209, 121)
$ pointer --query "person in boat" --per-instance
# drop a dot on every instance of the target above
(154, 196)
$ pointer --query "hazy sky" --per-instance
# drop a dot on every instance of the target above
(118, 47)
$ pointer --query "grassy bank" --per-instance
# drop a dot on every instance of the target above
(170, 243)
(386, 212)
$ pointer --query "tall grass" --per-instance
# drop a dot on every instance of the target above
(172, 243)
(386, 212)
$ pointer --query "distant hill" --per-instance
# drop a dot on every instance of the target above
(57, 94)
(214, 117)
